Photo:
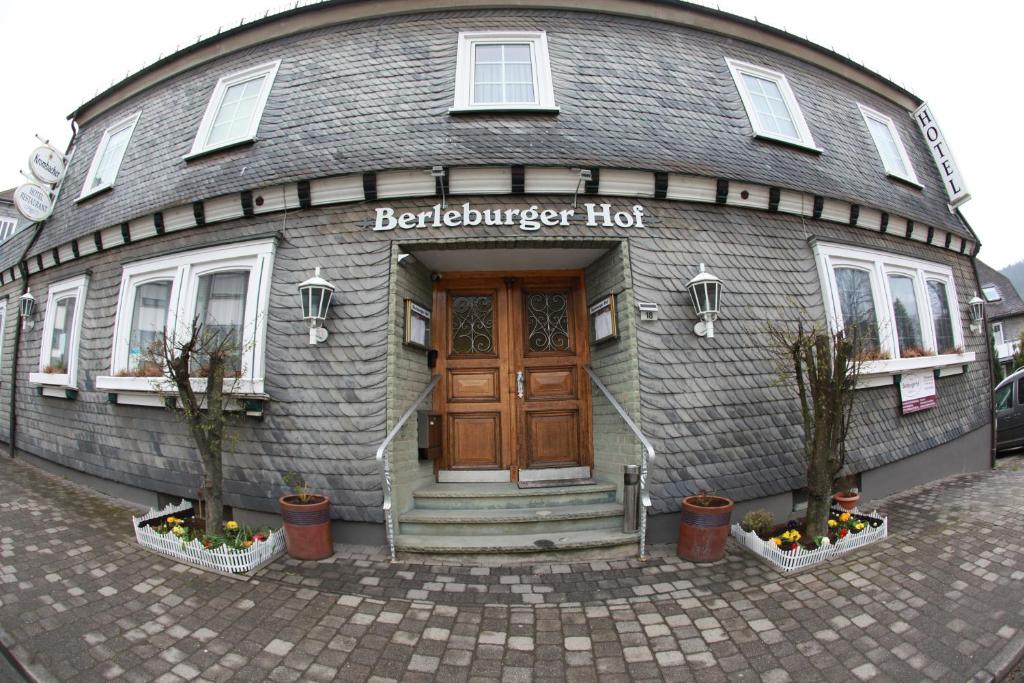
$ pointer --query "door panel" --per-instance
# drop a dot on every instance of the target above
(473, 384)
(475, 440)
(552, 438)
(551, 383)
(491, 328)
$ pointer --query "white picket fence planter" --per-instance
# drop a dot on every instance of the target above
(791, 560)
(221, 559)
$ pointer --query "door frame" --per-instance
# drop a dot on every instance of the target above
(513, 454)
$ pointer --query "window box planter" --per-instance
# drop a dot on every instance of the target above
(223, 559)
(876, 529)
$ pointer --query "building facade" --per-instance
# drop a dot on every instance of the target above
(1005, 312)
(515, 174)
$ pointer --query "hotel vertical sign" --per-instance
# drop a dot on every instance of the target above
(942, 155)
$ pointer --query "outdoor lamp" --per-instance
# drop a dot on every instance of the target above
(705, 290)
(315, 294)
(28, 306)
(977, 305)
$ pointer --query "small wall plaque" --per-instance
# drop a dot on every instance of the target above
(417, 325)
(648, 312)
(604, 324)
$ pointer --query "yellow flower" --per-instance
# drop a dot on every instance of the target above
(246, 544)
(231, 526)
(858, 526)
(833, 523)
(172, 520)
(845, 517)
(178, 531)
(794, 535)
(776, 540)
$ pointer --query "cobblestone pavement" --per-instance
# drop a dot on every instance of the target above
(941, 599)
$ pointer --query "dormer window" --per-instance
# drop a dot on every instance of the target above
(503, 71)
(991, 293)
(236, 106)
(889, 145)
(771, 105)
(107, 160)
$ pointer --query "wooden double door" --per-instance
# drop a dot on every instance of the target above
(511, 351)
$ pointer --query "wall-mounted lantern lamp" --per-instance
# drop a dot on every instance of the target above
(27, 304)
(705, 291)
(977, 305)
(586, 176)
(316, 294)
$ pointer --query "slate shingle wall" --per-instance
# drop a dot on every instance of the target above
(711, 407)
(374, 94)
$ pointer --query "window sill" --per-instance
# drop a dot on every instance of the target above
(51, 379)
(94, 193)
(505, 109)
(795, 144)
(905, 181)
(162, 385)
(878, 373)
(199, 154)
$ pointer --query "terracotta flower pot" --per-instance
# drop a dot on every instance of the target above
(846, 500)
(704, 528)
(307, 527)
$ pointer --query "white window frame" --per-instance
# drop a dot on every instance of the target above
(880, 265)
(804, 137)
(877, 116)
(76, 287)
(464, 67)
(201, 143)
(127, 123)
(997, 333)
(9, 226)
(184, 270)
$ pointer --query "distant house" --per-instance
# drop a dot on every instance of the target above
(1005, 311)
(10, 219)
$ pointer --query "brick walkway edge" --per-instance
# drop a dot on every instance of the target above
(941, 599)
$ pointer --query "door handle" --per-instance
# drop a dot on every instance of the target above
(520, 384)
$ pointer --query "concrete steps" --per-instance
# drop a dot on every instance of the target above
(489, 518)
(515, 543)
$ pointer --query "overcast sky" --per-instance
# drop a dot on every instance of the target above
(963, 58)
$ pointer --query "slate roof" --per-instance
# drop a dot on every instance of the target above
(374, 94)
(1010, 304)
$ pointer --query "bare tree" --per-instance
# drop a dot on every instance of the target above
(209, 352)
(824, 365)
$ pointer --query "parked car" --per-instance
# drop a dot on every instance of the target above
(1010, 412)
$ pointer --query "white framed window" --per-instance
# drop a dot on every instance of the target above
(7, 227)
(771, 104)
(107, 160)
(62, 326)
(226, 288)
(235, 108)
(889, 145)
(997, 333)
(503, 71)
(903, 311)
(991, 293)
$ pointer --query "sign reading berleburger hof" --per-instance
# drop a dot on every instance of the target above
(33, 201)
(942, 155)
(917, 391)
(46, 165)
(527, 219)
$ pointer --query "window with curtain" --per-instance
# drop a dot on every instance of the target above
(500, 70)
(220, 307)
(908, 319)
(857, 305)
(61, 335)
(942, 319)
(149, 319)
(503, 74)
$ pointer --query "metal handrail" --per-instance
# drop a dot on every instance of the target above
(645, 460)
(385, 462)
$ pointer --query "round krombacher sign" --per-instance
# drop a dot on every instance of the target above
(46, 164)
(33, 201)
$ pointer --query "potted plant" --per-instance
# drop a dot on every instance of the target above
(307, 521)
(847, 499)
(704, 527)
